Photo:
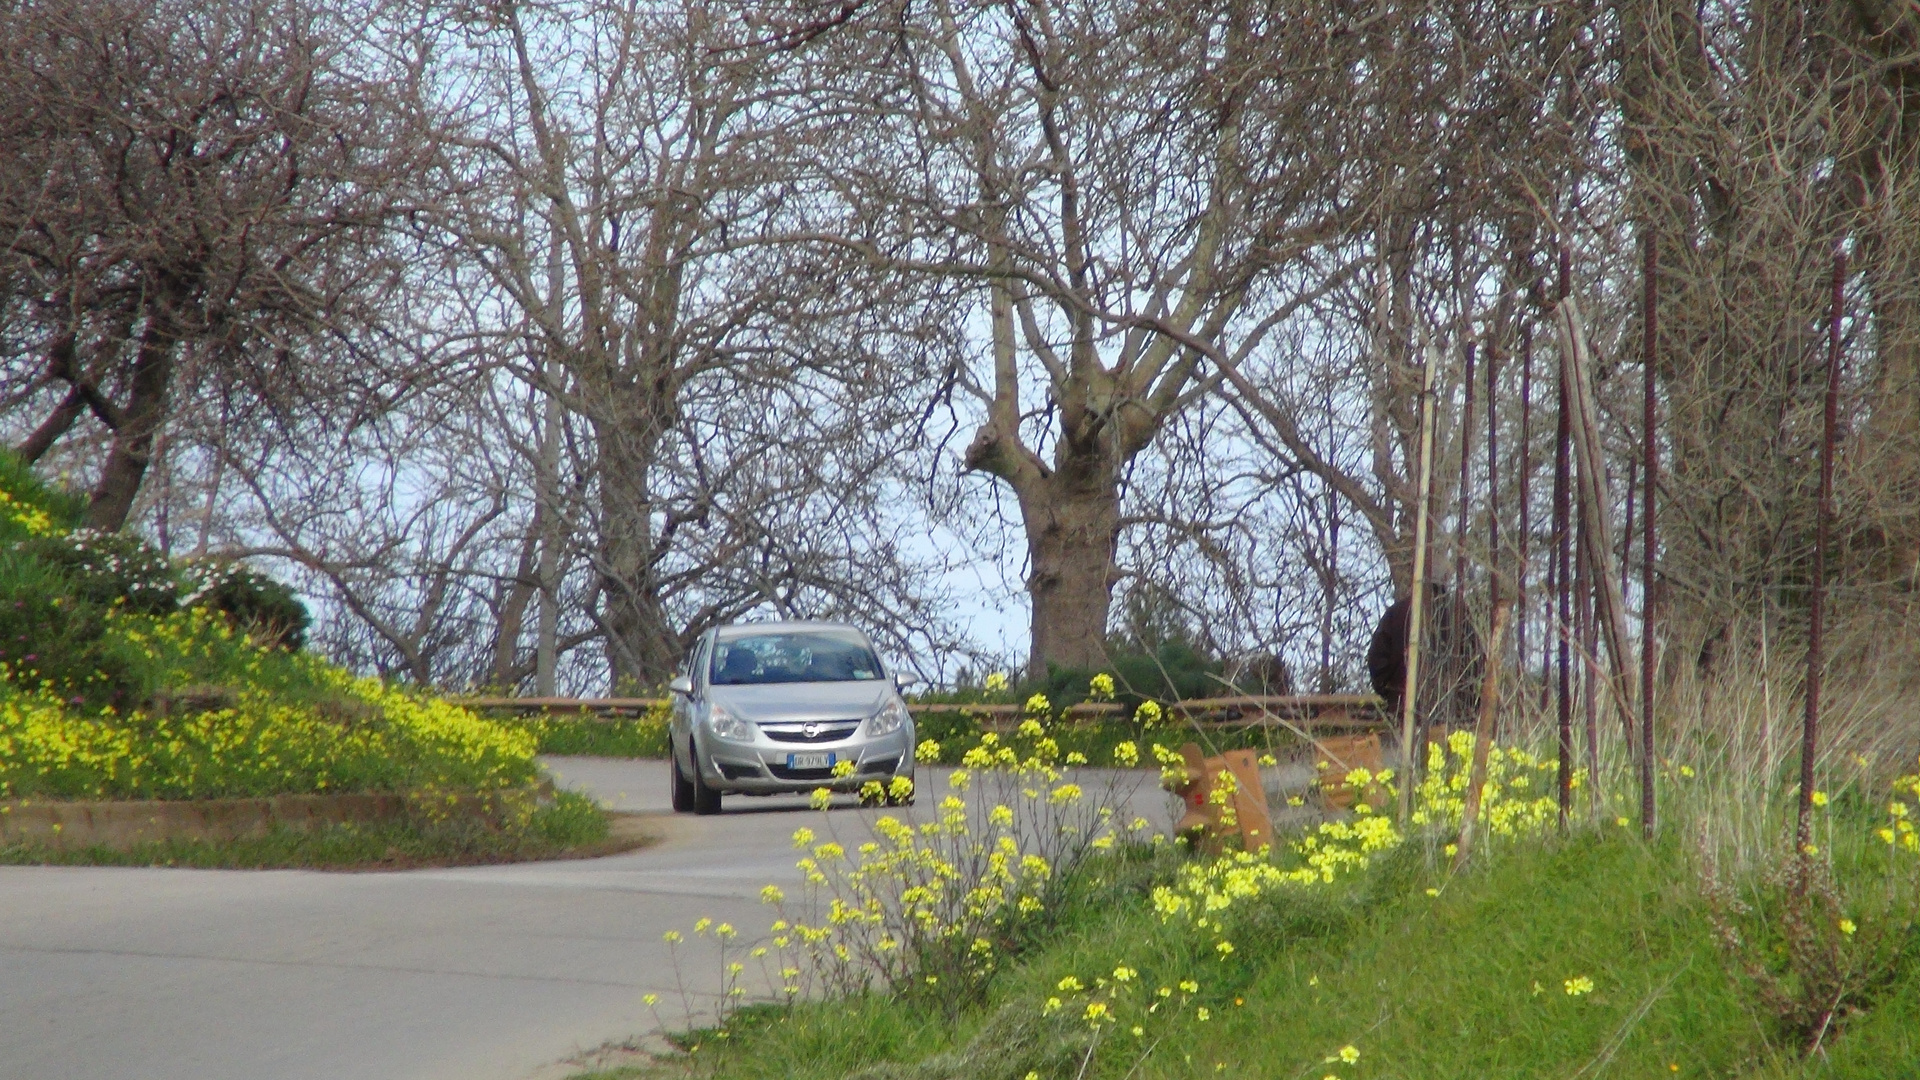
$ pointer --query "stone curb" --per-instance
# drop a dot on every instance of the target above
(123, 823)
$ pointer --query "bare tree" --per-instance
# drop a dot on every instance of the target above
(1125, 189)
(191, 191)
(615, 179)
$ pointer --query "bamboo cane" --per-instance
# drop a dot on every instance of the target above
(1417, 601)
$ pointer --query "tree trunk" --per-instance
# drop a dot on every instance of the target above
(512, 619)
(641, 647)
(145, 412)
(1072, 519)
(55, 425)
(547, 526)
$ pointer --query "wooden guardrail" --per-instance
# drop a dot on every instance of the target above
(609, 706)
(1314, 711)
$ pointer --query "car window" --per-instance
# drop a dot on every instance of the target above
(804, 656)
(697, 664)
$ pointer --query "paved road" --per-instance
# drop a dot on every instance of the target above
(481, 973)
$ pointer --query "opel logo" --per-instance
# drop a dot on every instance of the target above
(810, 730)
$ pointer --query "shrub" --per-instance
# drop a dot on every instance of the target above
(113, 570)
(1817, 950)
(54, 643)
(266, 610)
(1174, 671)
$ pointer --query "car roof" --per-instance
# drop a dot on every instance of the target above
(740, 630)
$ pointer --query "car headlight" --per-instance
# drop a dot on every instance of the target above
(891, 717)
(725, 725)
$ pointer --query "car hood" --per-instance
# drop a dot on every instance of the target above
(773, 702)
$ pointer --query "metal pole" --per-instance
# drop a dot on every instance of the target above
(1816, 611)
(1650, 459)
(1466, 502)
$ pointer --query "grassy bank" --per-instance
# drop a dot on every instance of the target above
(1487, 979)
(1354, 950)
(126, 674)
(570, 827)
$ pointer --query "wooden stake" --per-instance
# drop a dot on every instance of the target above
(1417, 601)
(1482, 738)
(1583, 633)
(1577, 380)
(1563, 614)
(1493, 478)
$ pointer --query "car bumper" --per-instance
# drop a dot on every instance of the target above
(762, 767)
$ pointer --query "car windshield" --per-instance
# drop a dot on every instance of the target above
(810, 656)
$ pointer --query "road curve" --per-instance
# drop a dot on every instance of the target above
(476, 973)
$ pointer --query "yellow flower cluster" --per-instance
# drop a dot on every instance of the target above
(339, 733)
(1335, 849)
(916, 903)
(1899, 829)
(1115, 999)
(1508, 807)
(31, 519)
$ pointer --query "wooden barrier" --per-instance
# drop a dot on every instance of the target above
(1207, 795)
(1306, 712)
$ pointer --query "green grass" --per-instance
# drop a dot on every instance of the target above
(1470, 984)
(571, 825)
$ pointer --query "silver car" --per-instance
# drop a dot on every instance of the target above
(775, 708)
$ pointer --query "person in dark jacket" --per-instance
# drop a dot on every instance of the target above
(1450, 661)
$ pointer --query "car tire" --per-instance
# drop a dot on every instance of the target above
(681, 790)
(706, 800)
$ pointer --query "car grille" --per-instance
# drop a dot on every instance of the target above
(824, 731)
(882, 765)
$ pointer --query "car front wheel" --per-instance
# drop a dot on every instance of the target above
(681, 789)
(706, 800)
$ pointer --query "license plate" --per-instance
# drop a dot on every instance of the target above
(820, 760)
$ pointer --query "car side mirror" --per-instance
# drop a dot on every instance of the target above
(681, 685)
(904, 679)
